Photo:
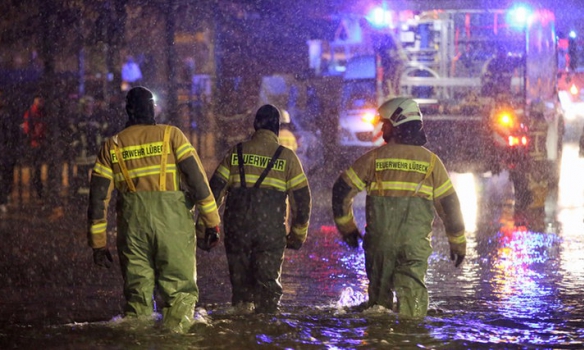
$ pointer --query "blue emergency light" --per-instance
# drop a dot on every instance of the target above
(379, 17)
(518, 16)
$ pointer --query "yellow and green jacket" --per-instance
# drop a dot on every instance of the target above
(401, 173)
(288, 139)
(145, 168)
(285, 180)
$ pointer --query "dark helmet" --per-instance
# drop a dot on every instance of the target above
(404, 120)
(267, 117)
(140, 106)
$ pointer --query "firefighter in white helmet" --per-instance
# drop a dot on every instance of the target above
(286, 137)
(404, 183)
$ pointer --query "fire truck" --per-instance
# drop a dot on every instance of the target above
(485, 81)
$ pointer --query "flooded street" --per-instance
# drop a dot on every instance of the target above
(516, 288)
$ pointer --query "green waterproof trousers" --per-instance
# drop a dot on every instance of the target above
(397, 247)
(156, 245)
(255, 240)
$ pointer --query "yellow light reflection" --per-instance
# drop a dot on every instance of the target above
(467, 194)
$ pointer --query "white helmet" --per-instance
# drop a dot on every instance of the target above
(284, 117)
(400, 110)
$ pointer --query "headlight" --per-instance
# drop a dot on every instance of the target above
(505, 119)
(506, 124)
(370, 118)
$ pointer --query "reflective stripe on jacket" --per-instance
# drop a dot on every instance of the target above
(399, 171)
(285, 178)
(145, 169)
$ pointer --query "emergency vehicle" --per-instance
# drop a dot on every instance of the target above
(478, 118)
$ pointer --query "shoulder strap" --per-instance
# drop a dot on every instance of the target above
(122, 165)
(240, 164)
(164, 157)
(376, 174)
(269, 167)
(428, 171)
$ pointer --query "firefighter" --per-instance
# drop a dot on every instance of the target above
(404, 183)
(156, 233)
(257, 177)
(87, 134)
(286, 137)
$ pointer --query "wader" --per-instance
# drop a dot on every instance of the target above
(397, 246)
(255, 239)
(156, 242)
(396, 255)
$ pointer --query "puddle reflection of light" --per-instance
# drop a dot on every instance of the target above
(519, 280)
(349, 297)
(467, 194)
(355, 262)
(571, 213)
(264, 339)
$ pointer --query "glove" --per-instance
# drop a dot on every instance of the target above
(293, 243)
(457, 253)
(352, 239)
(211, 239)
(102, 257)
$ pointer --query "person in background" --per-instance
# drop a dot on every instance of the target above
(147, 164)
(286, 137)
(35, 131)
(405, 182)
(10, 139)
(88, 134)
(257, 177)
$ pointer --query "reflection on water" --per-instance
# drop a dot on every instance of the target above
(516, 289)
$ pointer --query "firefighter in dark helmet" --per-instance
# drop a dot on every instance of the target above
(257, 176)
(151, 165)
(404, 183)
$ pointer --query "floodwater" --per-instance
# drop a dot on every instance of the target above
(517, 289)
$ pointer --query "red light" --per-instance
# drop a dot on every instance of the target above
(574, 89)
(516, 141)
(328, 229)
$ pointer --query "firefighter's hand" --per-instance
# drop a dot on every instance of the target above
(352, 239)
(211, 239)
(292, 242)
(102, 257)
(457, 253)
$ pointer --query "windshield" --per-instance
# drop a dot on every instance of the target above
(359, 94)
(463, 52)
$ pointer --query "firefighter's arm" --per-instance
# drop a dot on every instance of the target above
(100, 189)
(220, 180)
(448, 208)
(342, 201)
(451, 215)
(300, 201)
(195, 179)
(300, 208)
(198, 187)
